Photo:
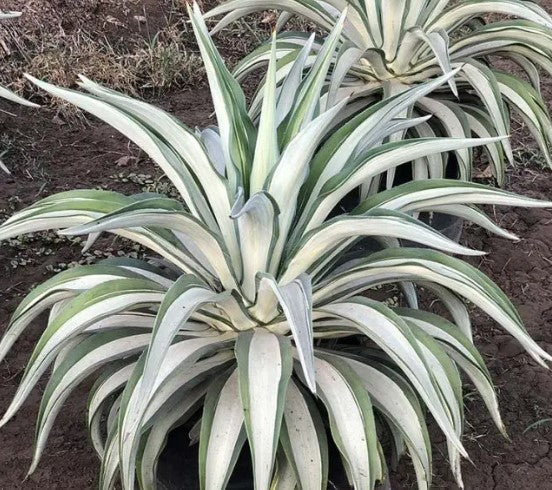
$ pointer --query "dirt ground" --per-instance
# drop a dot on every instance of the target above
(51, 152)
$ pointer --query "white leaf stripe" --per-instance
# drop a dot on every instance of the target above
(64, 285)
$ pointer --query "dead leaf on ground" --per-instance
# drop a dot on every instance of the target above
(486, 173)
(124, 161)
(114, 21)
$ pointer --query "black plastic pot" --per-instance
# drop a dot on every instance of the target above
(178, 465)
(450, 226)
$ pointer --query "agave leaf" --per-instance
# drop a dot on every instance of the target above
(236, 129)
(455, 305)
(266, 149)
(295, 298)
(526, 65)
(484, 82)
(257, 222)
(142, 269)
(304, 439)
(455, 125)
(9, 14)
(143, 214)
(530, 106)
(291, 83)
(77, 207)
(65, 285)
(108, 470)
(13, 97)
(284, 184)
(375, 162)
(186, 295)
(395, 399)
(110, 382)
(467, 9)
(60, 210)
(264, 369)
(436, 163)
(323, 241)
(185, 372)
(462, 350)
(213, 146)
(392, 18)
(312, 10)
(143, 136)
(347, 56)
(438, 41)
(180, 302)
(337, 151)
(180, 372)
(482, 126)
(172, 415)
(222, 432)
(309, 94)
(190, 157)
(447, 378)
(284, 477)
(414, 196)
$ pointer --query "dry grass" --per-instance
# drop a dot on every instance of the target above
(139, 47)
(132, 64)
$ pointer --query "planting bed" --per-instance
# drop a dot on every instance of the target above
(50, 153)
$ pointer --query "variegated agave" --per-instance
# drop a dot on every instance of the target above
(388, 46)
(8, 94)
(243, 318)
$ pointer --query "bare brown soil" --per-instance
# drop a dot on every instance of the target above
(50, 154)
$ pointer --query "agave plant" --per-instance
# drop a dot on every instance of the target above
(242, 317)
(388, 46)
(8, 94)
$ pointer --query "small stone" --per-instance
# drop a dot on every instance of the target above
(510, 348)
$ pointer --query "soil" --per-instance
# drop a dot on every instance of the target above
(49, 155)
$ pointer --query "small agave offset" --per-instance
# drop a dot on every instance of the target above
(244, 316)
(389, 46)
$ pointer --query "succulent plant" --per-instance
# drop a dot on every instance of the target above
(252, 311)
(388, 46)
